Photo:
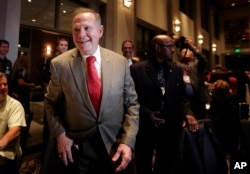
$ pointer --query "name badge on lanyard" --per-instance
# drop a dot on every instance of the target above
(186, 78)
(163, 90)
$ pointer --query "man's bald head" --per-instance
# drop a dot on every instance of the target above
(163, 47)
(161, 39)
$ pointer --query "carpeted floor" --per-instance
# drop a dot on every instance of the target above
(31, 162)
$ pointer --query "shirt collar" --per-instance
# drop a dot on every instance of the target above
(97, 54)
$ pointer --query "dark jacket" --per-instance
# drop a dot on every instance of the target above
(6, 67)
(224, 111)
(150, 96)
(200, 151)
(196, 72)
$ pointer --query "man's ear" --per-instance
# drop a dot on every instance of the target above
(157, 47)
(101, 30)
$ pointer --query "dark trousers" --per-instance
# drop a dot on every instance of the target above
(165, 142)
(198, 107)
(46, 134)
(90, 158)
(8, 166)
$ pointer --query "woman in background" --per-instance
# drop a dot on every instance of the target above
(224, 111)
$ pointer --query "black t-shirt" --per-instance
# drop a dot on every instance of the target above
(6, 67)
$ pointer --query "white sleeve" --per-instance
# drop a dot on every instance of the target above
(16, 115)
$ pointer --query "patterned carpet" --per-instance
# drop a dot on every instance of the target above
(31, 162)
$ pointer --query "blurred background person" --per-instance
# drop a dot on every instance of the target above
(12, 119)
(243, 82)
(22, 87)
(234, 80)
(5, 63)
(128, 50)
(21, 82)
(194, 66)
(224, 111)
(62, 46)
(219, 72)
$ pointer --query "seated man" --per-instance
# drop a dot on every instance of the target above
(12, 118)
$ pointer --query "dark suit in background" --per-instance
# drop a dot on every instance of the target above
(163, 107)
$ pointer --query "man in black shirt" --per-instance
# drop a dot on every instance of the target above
(5, 64)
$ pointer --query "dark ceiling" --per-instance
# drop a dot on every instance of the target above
(227, 4)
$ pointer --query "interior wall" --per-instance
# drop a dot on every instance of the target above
(153, 12)
(187, 26)
(10, 19)
(125, 25)
(120, 24)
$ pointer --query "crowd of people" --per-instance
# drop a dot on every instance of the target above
(110, 113)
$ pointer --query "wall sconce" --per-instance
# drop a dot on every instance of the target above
(214, 47)
(177, 25)
(200, 39)
(127, 3)
(48, 50)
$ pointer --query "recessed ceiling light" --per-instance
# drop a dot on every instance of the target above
(33, 20)
(64, 11)
(29, 0)
(233, 4)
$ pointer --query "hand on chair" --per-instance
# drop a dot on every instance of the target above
(191, 122)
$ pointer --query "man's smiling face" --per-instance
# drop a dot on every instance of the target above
(86, 32)
(3, 88)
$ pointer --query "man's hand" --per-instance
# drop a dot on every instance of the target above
(192, 123)
(64, 145)
(191, 45)
(156, 120)
(123, 155)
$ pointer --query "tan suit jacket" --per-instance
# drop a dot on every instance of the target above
(76, 116)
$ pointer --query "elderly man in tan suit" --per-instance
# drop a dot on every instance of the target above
(85, 137)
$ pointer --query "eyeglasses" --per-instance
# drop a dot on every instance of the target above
(168, 46)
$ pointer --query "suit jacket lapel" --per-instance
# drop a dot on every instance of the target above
(106, 72)
(152, 73)
(169, 76)
(79, 74)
